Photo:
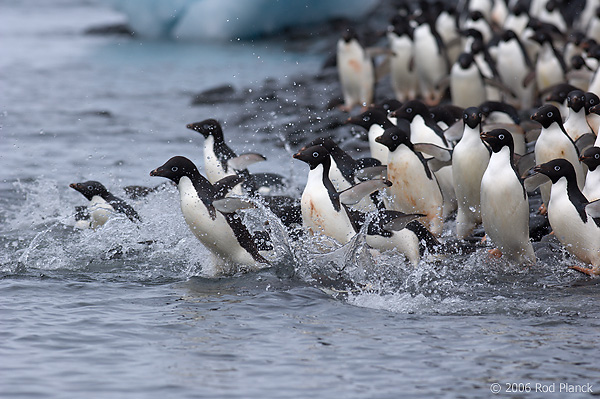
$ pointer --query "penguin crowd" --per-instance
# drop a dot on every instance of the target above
(494, 100)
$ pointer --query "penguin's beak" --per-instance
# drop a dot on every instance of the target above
(76, 186)
(156, 172)
(583, 158)
(595, 110)
(485, 136)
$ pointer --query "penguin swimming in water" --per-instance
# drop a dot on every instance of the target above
(504, 202)
(356, 71)
(323, 212)
(572, 224)
(553, 143)
(223, 234)
(103, 203)
(414, 186)
(469, 162)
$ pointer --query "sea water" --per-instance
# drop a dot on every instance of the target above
(133, 311)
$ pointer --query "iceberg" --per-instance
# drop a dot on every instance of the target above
(231, 19)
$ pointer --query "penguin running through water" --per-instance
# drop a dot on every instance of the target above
(504, 202)
(571, 222)
(469, 161)
(223, 234)
(102, 203)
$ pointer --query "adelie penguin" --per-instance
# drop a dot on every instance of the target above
(467, 86)
(223, 234)
(469, 162)
(504, 202)
(324, 212)
(591, 158)
(402, 68)
(513, 64)
(553, 143)
(415, 188)
(375, 121)
(103, 204)
(571, 222)
(356, 71)
(221, 161)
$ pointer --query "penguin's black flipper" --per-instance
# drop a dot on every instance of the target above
(123, 207)
(585, 141)
(396, 221)
(270, 180)
(367, 162)
(356, 193)
(287, 209)
(372, 172)
(226, 184)
(244, 238)
(242, 161)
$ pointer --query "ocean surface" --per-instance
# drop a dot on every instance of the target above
(134, 310)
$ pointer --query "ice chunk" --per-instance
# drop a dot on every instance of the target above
(228, 19)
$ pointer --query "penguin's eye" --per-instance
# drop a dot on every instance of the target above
(550, 114)
(409, 110)
(207, 126)
(315, 154)
(501, 136)
(395, 137)
(465, 116)
(597, 156)
(592, 101)
(174, 168)
(479, 115)
(366, 118)
(90, 188)
(557, 168)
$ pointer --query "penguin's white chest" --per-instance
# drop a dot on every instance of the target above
(215, 234)
(469, 162)
(579, 238)
(592, 185)
(318, 213)
(378, 151)
(466, 86)
(100, 211)
(212, 166)
(356, 73)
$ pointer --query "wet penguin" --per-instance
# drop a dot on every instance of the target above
(356, 71)
(504, 202)
(218, 156)
(572, 224)
(424, 129)
(322, 211)
(553, 143)
(375, 121)
(414, 186)
(469, 162)
(102, 203)
(467, 86)
(591, 158)
(223, 234)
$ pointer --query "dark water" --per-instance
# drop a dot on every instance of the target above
(132, 311)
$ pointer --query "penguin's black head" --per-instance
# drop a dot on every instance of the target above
(577, 62)
(508, 35)
(576, 37)
(487, 107)
(314, 156)
(395, 136)
(326, 142)
(388, 105)
(465, 60)
(594, 51)
(208, 127)
(472, 32)
(520, 8)
(556, 169)
(591, 157)
(576, 100)
(370, 117)
(591, 100)
(349, 35)
(410, 109)
(560, 92)
(551, 5)
(90, 188)
(476, 15)
(498, 139)
(472, 117)
(541, 36)
(546, 115)
(175, 168)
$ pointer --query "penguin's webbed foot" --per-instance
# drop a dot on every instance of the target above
(542, 210)
(495, 253)
(590, 271)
